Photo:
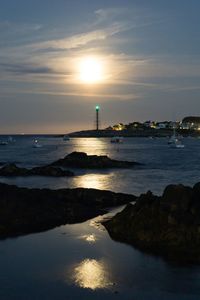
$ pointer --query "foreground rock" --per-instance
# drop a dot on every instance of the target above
(13, 170)
(24, 210)
(167, 225)
(82, 160)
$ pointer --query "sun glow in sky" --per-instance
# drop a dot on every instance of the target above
(139, 60)
(91, 70)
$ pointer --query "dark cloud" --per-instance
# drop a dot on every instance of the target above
(26, 69)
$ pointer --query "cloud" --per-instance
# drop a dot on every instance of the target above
(7, 27)
(26, 54)
(78, 40)
(120, 14)
(25, 68)
(102, 96)
(55, 59)
(109, 14)
(70, 42)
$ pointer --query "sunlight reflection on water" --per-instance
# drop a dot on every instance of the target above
(96, 181)
(92, 146)
(90, 238)
(92, 274)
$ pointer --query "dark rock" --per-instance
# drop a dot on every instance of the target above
(24, 210)
(50, 171)
(168, 225)
(13, 170)
(82, 160)
(74, 160)
(176, 197)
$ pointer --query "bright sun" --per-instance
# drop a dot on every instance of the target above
(91, 70)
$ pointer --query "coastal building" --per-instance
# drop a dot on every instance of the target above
(149, 124)
(166, 125)
(190, 123)
(134, 126)
(118, 127)
(161, 126)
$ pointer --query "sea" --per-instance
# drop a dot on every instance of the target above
(81, 261)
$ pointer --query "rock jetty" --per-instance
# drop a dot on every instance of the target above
(82, 160)
(24, 210)
(168, 225)
(12, 170)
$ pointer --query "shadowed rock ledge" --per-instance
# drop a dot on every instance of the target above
(24, 210)
(82, 160)
(12, 170)
(168, 225)
(73, 160)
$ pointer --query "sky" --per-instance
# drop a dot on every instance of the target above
(149, 52)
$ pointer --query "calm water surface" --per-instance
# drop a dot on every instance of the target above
(81, 261)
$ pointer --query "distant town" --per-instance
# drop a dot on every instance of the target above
(188, 123)
(187, 126)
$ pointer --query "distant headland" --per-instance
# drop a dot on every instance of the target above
(189, 126)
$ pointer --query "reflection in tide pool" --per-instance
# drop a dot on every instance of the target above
(90, 238)
(92, 274)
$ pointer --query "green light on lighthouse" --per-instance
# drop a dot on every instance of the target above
(97, 117)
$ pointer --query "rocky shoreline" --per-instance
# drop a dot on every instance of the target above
(168, 225)
(141, 132)
(24, 210)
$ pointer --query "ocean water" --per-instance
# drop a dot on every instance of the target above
(81, 261)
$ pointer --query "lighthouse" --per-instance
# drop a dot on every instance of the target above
(97, 117)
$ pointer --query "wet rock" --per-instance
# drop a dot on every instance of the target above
(24, 210)
(82, 160)
(168, 225)
(13, 170)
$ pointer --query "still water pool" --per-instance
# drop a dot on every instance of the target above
(81, 261)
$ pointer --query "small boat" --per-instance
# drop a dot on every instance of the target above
(3, 143)
(117, 139)
(11, 140)
(174, 137)
(174, 141)
(176, 144)
(36, 144)
(66, 137)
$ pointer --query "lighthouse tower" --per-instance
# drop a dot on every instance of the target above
(97, 117)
